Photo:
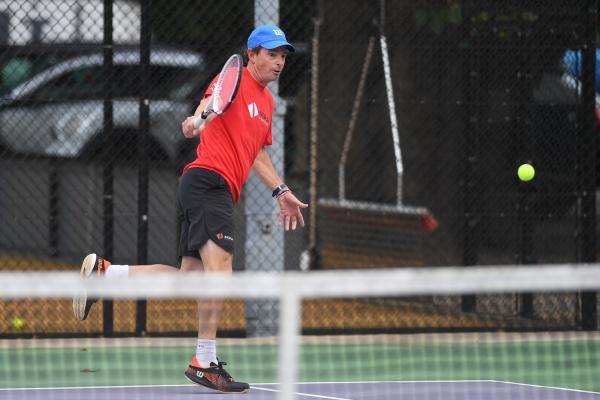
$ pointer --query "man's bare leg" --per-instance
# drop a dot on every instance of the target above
(205, 369)
(214, 259)
(151, 269)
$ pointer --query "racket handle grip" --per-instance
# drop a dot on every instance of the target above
(198, 121)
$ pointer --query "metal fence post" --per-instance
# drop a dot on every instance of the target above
(107, 167)
(264, 245)
(587, 165)
(143, 156)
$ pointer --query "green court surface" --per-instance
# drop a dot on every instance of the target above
(568, 363)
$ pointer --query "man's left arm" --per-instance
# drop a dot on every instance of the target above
(289, 205)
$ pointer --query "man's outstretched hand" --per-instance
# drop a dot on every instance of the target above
(290, 210)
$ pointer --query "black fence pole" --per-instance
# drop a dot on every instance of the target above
(143, 154)
(469, 237)
(587, 165)
(54, 206)
(107, 168)
(526, 191)
(526, 253)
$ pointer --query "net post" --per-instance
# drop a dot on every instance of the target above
(289, 331)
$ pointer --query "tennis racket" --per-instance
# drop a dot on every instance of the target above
(225, 89)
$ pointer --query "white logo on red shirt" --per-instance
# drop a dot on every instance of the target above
(253, 110)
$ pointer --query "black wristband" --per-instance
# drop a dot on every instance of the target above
(279, 190)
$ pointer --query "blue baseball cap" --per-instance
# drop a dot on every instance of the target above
(269, 37)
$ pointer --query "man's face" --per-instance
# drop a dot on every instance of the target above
(268, 64)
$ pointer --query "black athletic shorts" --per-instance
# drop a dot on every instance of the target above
(205, 209)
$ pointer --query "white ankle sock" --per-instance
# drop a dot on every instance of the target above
(115, 271)
(206, 352)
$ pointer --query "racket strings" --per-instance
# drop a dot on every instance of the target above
(225, 87)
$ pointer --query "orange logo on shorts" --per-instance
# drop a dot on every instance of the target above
(219, 236)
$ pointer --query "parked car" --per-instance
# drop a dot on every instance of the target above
(59, 111)
(572, 76)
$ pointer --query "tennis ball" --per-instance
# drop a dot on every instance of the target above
(526, 172)
(17, 323)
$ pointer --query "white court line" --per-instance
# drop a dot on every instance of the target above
(319, 396)
(151, 386)
(373, 382)
(262, 384)
(548, 387)
(95, 387)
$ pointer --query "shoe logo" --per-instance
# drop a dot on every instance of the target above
(199, 374)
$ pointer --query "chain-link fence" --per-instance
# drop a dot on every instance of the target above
(402, 123)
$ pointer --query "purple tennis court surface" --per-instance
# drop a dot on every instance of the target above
(455, 390)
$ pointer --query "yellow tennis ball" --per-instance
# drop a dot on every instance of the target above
(17, 323)
(526, 172)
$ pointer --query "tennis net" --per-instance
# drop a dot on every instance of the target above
(496, 332)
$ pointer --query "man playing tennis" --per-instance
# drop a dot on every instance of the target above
(230, 146)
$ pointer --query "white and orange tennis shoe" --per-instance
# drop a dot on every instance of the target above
(92, 264)
(214, 377)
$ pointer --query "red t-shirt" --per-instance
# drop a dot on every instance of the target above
(230, 142)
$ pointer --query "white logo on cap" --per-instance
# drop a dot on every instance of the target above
(278, 32)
